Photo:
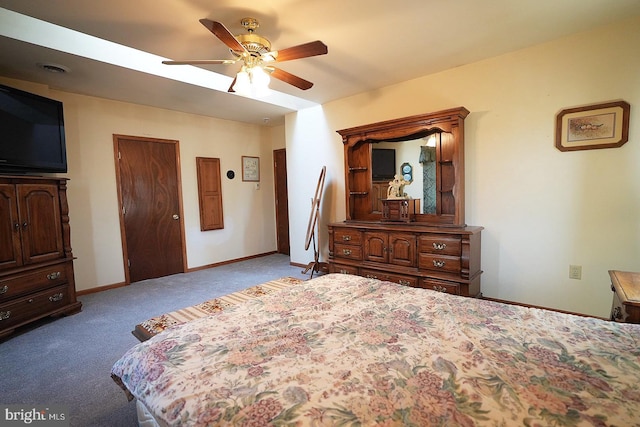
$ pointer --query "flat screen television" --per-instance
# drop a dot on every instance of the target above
(32, 138)
(383, 164)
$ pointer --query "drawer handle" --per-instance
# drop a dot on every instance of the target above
(617, 314)
(438, 263)
(4, 289)
(346, 238)
(4, 315)
(439, 246)
(404, 282)
(346, 251)
(56, 297)
(371, 276)
(344, 271)
(53, 276)
(439, 288)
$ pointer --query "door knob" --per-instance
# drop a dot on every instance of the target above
(176, 217)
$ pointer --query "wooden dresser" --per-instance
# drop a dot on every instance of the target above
(36, 263)
(626, 296)
(445, 259)
(392, 239)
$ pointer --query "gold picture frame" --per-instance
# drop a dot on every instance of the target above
(250, 169)
(593, 126)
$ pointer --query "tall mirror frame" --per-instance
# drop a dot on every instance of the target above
(447, 126)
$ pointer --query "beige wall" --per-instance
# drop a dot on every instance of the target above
(249, 213)
(542, 209)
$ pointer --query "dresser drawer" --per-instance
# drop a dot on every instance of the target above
(390, 277)
(30, 307)
(443, 263)
(440, 244)
(441, 286)
(344, 269)
(347, 236)
(347, 251)
(33, 280)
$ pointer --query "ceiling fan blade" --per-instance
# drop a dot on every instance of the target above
(301, 51)
(221, 32)
(296, 81)
(232, 85)
(201, 62)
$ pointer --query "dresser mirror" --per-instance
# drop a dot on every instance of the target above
(431, 144)
(414, 161)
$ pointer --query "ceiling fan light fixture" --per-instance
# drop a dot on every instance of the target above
(252, 81)
(260, 81)
(243, 83)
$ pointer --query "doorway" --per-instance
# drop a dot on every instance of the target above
(150, 199)
(282, 200)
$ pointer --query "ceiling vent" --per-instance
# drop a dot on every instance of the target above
(54, 68)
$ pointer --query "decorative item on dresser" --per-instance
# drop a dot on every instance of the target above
(36, 263)
(393, 239)
(626, 296)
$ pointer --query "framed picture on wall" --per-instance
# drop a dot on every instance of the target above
(593, 126)
(250, 168)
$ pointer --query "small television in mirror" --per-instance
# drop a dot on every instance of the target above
(32, 138)
(383, 164)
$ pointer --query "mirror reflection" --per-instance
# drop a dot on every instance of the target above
(414, 161)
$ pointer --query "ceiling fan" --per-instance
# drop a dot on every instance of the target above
(255, 53)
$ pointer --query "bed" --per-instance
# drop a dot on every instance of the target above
(347, 350)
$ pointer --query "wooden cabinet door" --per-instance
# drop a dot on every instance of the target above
(376, 246)
(10, 248)
(39, 210)
(402, 249)
(209, 193)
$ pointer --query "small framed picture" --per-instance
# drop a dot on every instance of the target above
(593, 126)
(250, 168)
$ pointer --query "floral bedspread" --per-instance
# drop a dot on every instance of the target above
(351, 351)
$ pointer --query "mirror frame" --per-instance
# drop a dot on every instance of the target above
(357, 141)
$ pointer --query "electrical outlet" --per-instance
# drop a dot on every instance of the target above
(575, 272)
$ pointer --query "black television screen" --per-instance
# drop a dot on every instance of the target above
(32, 136)
(383, 163)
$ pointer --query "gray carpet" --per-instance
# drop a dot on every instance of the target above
(67, 361)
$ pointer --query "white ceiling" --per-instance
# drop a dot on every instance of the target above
(372, 44)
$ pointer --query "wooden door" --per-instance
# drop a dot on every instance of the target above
(150, 207)
(282, 201)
